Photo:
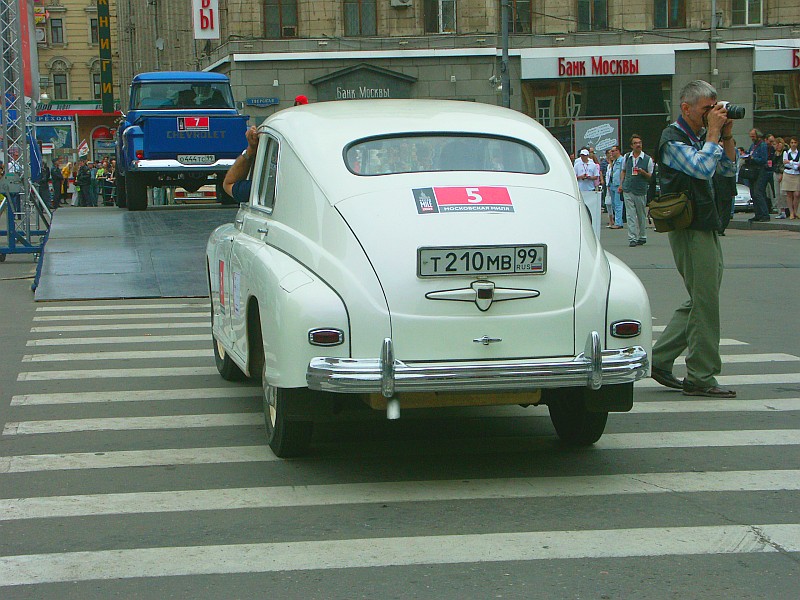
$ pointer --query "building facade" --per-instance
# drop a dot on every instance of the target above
(592, 71)
(70, 110)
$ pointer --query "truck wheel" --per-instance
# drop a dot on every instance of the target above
(223, 197)
(574, 424)
(122, 198)
(136, 192)
(286, 438)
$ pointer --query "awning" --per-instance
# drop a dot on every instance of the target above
(76, 108)
(79, 113)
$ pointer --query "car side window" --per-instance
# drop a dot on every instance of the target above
(266, 185)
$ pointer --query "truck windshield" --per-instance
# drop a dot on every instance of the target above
(443, 152)
(173, 95)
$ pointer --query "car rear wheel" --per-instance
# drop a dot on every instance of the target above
(574, 423)
(136, 192)
(122, 197)
(286, 437)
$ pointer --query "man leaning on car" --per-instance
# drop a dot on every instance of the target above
(693, 151)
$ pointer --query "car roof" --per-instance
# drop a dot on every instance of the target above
(162, 76)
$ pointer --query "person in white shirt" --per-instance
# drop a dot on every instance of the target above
(588, 174)
(791, 177)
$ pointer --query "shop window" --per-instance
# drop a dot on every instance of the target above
(440, 16)
(592, 15)
(746, 12)
(280, 18)
(544, 111)
(669, 14)
(94, 32)
(60, 91)
(56, 31)
(360, 17)
(779, 93)
(520, 16)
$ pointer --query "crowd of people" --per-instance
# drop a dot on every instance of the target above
(87, 183)
(771, 168)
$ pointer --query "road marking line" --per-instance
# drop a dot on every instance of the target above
(118, 327)
(125, 316)
(33, 463)
(691, 406)
(133, 423)
(730, 359)
(726, 342)
(397, 551)
(135, 396)
(116, 373)
(124, 339)
(14, 509)
(133, 354)
(659, 328)
(731, 380)
(86, 308)
(612, 441)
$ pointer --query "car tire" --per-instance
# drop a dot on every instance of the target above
(286, 437)
(122, 198)
(136, 192)
(573, 422)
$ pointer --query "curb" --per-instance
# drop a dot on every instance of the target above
(771, 225)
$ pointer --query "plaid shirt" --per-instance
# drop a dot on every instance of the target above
(700, 160)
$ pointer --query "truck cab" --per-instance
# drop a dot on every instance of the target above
(181, 129)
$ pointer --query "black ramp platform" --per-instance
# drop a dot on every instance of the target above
(107, 252)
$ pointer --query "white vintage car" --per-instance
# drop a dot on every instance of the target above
(416, 253)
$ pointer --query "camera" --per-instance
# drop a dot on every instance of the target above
(734, 110)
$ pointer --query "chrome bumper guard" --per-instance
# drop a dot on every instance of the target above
(385, 375)
(166, 165)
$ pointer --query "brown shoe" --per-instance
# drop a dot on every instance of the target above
(690, 389)
(666, 378)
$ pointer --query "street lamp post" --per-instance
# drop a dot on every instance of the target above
(505, 79)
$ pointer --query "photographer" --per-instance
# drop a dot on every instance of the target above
(693, 152)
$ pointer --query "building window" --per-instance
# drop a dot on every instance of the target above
(280, 18)
(96, 88)
(440, 16)
(670, 14)
(781, 100)
(94, 32)
(544, 111)
(592, 15)
(360, 17)
(745, 12)
(56, 31)
(60, 91)
(520, 16)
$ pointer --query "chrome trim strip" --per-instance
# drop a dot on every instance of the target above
(387, 368)
(366, 376)
(223, 164)
(594, 354)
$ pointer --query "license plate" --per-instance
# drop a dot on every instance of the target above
(196, 159)
(482, 260)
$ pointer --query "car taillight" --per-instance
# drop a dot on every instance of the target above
(140, 154)
(626, 329)
(325, 337)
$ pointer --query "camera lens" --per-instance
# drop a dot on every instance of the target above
(734, 111)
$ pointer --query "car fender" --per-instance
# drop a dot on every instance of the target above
(217, 241)
(291, 301)
(627, 299)
(591, 291)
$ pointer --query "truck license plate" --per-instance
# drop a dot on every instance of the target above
(482, 260)
(196, 159)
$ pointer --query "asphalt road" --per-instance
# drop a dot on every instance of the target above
(129, 469)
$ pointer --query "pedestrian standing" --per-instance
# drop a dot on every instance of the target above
(637, 169)
(757, 156)
(615, 187)
(44, 185)
(58, 183)
(791, 177)
(690, 159)
(83, 183)
(588, 174)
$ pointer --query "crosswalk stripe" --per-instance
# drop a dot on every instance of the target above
(115, 373)
(132, 423)
(133, 354)
(135, 396)
(723, 342)
(397, 551)
(125, 316)
(32, 463)
(734, 380)
(611, 441)
(13, 509)
(659, 328)
(692, 406)
(730, 359)
(117, 327)
(120, 307)
(120, 339)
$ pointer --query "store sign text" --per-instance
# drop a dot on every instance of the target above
(600, 66)
(796, 59)
(361, 93)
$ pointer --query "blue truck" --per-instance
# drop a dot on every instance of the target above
(181, 129)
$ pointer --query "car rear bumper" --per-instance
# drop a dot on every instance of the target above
(168, 165)
(385, 375)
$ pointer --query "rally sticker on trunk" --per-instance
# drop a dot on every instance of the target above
(192, 123)
(463, 199)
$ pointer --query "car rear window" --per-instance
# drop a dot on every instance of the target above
(449, 152)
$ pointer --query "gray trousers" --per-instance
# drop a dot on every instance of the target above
(636, 213)
(695, 324)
